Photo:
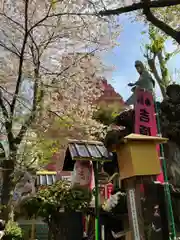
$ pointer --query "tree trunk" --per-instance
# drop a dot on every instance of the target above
(164, 70)
(66, 226)
(58, 231)
(7, 186)
(167, 29)
(172, 153)
(160, 80)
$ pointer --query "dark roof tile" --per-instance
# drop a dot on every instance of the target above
(85, 150)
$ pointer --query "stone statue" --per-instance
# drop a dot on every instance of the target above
(145, 81)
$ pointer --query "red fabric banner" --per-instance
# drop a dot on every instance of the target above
(106, 190)
(109, 190)
(145, 119)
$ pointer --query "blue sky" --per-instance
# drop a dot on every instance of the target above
(123, 56)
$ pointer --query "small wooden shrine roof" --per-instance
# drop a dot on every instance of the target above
(85, 151)
(45, 178)
(137, 137)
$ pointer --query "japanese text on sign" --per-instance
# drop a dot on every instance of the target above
(131, 193)
(144, 113)
(145, 120)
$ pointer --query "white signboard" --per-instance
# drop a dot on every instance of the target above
(66, 178)
(131, 193)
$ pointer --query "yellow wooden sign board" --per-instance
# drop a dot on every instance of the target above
(138, 156)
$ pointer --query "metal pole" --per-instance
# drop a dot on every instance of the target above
(166, 186)
(97, 229)
(33, 229)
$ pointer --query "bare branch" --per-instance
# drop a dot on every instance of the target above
(31, 162)
(66, 68)
(42, 20)
(35, 57)
(138, 6)
(26, 125)
(161, 25)
(94, 6)
(6, 121)
(56, 114)
(37, 99)
(58, 15)
(6, 100)
(85, 26)
(3, 45)
(13, 21)
(4, 110)
(146, 6)
(164, 70)
(75, 62)
(50, 39)
(14, 46)
(18, 99)
(153, 68)
(19, 79)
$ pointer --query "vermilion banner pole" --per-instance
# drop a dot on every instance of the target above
(145, 119)
(147, 123)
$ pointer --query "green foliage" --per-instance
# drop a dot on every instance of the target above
(157, 57)
(46, 148)
(157, 41)
(50, 200)
(40, 150)
(55, 137)
(13, 231)
(106, 114)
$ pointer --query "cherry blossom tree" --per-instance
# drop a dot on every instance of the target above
(69, 108)
(35, 35)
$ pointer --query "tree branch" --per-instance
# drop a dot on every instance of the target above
(164, 70)
(161, 25)
(21, 59)
(6, 121)
(18, 99)
(28, 122)
(41, 21)
(8, 49)
(146, 6)
(138, 6)
(152, 66)
(56, 114)
(11, 42)
(37, 99)
(75, 62)
(58, 15)
(13, 21)
(4, 110)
